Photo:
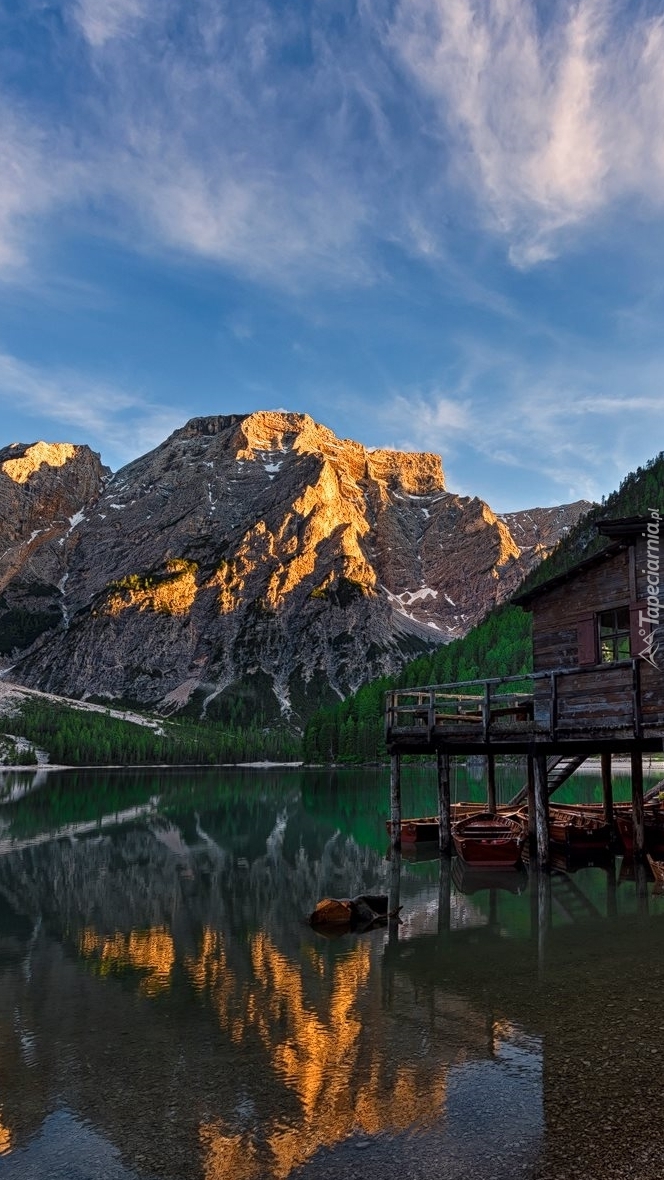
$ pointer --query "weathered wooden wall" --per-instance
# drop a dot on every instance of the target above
(565, 635)
(564, 616)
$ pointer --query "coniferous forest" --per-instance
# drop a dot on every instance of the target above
(75, 737)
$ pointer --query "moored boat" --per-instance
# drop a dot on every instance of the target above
(417, 831)
(653, 822)
(578, 831)
(657, 867)
(423, 829)
(489, 841)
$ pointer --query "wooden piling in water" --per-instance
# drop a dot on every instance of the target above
(542, 812)
(395, 800)
(638, 821)
(491, 783)
(444, 806)
(607, 788)
(532, 819)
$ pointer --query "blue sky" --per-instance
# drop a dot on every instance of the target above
(430, 224)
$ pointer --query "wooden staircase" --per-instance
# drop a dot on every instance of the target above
(558, 769)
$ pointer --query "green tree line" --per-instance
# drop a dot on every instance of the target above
(639, 492)
(501, 645)
(352, 731)
(77, 737)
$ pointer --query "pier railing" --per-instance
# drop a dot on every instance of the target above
(562, 704)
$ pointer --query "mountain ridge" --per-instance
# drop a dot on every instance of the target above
(250, 564)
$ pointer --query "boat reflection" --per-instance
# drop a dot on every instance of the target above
(469, 880)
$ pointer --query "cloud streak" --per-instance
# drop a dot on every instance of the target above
(551, 122)
(104, 20)
(288, 144)
(119, 423)
(566, 424)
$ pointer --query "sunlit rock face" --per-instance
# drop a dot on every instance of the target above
(263, 557)
(44, 490)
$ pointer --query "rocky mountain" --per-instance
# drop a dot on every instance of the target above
(44, 489)
(249, 566)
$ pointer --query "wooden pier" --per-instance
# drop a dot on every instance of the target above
(555, 726)
(597, 690)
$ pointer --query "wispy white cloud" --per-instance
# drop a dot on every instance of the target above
(424, 421)
(502, 423)
(555, 112)
(37, 171)
(289, 143)
(103, 20)
(233, 142)
(121, 424)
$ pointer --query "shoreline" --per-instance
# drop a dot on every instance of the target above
(38, 767)
(652, 764)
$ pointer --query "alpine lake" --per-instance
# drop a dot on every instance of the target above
(168, 1013)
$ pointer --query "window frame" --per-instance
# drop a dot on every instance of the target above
(616, 635)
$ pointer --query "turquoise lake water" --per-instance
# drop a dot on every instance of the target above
(166, 1011)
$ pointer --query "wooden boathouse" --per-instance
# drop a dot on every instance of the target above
(597, 687)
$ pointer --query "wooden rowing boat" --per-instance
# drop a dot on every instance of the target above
(657, 867)
(489, 841)
(417, 831)
(578, 831)
(423, 829)
(653, 823)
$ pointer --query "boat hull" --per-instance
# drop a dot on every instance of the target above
(501, 854)
(417, 831)
(654, 834)
(489, 841)
(577, 832)
(425, 829)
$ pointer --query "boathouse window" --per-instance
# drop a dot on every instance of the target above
(614, 628)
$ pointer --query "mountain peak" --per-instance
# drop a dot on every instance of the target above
(268, 434)
(250, 566)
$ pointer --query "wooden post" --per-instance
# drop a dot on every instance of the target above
(491, 783)
(542, 813)
(532, 821)
(636, 698)
(637, 806)
(444, 806)
(607, 788)
(395, 799)
(553, 708)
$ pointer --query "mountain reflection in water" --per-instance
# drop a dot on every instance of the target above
(166, 1011)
